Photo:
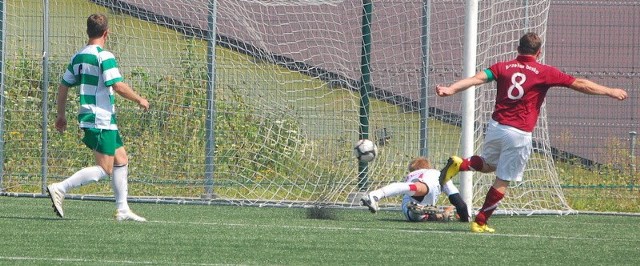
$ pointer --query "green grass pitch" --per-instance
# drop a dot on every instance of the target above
(212, 235)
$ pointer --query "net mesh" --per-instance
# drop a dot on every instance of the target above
(287, 80)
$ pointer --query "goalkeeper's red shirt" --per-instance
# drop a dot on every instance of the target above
(522, 85)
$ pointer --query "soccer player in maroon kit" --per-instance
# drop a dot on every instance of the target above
(522, 85)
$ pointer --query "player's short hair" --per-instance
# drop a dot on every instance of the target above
(97, 24)
(419, 163)
(530, 44)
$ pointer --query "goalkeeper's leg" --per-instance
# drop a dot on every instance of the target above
(461, 207)
(450, 170)
(398, 188)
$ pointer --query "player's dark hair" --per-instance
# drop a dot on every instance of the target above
(97, 24)
(419, 163)
(530, 44)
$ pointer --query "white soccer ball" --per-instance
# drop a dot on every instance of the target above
(365, 150)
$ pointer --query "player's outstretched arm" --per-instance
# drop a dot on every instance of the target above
(127, 92)
(463, 84)
(61, 106)
(589, 87)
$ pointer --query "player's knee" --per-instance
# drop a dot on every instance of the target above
(121, 161)
(421, 189)
(412, 217)
(120, 157)
(487, 168)
(107, 169)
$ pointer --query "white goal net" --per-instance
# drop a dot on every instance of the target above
(287, 101)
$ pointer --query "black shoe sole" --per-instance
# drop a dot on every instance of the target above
(368, 205)
(443, 172)
(53, 205)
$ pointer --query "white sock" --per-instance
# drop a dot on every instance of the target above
(82, 177)
(120, 188)
(391, 190)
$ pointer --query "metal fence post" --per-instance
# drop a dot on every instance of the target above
(211, 104)
(365, 87)
(632, 139)
(2, 74)
(424, 77)
(45, 94)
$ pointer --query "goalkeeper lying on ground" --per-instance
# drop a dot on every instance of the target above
(421, 188)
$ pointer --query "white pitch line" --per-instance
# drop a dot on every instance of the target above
(333, 228)
(116, 262)
(422, 231)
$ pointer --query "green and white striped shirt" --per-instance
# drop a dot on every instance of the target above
(95, 71)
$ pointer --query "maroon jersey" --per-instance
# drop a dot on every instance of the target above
(522, 86)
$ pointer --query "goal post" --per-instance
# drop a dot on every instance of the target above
(269, 115)
(468, 98)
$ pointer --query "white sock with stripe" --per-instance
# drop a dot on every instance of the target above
(82, 177)
(391, 190)
(120, 187)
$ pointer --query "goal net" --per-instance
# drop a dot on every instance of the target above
(501, 24)
(284, 108)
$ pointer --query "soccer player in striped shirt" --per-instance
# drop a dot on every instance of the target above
(522, 85)
(94, 71)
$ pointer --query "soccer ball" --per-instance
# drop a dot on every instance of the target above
(365, 150)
